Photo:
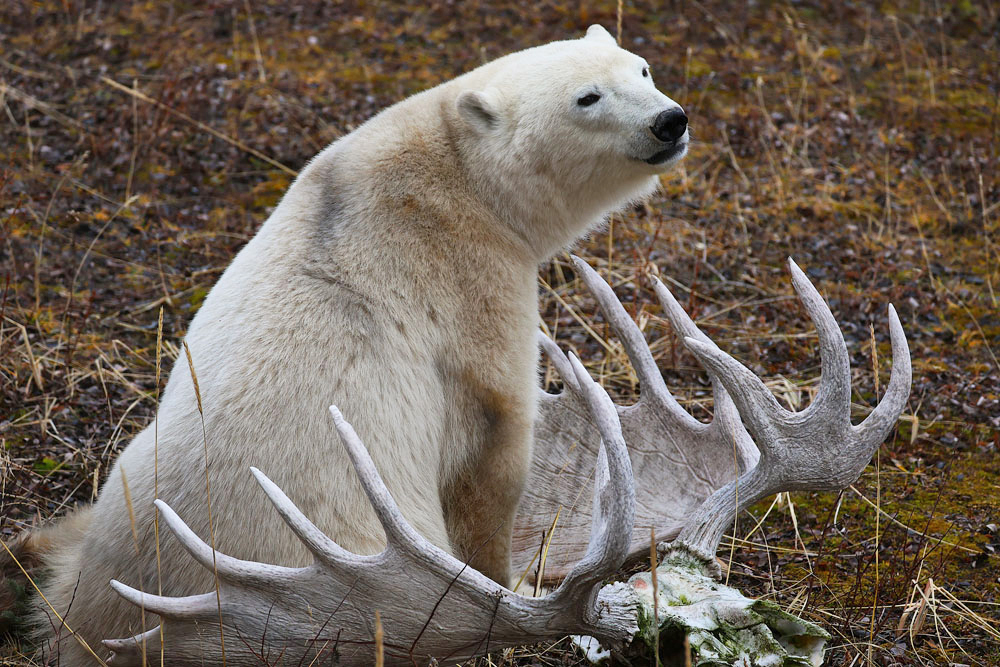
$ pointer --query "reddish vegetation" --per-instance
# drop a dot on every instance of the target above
(862, 141)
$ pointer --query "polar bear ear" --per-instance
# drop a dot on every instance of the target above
(599, 33)
(479, 109)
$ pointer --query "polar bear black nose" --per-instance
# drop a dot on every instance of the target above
(670, 124)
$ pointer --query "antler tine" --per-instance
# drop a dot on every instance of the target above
(398, 531)
(881, 420)
(127, 652)
(816, 449)
(679, 319)
(725, 417)
(755, 402)
(650, 380)
(322, 547)
(192, 607)
(835, 380)
(558, 359)
(666, 446)
(227, 567)
(614, 493)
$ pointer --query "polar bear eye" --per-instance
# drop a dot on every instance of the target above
(587, 100)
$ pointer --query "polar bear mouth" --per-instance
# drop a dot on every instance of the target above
(676, 151)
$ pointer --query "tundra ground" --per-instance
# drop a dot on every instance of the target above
(144, 143)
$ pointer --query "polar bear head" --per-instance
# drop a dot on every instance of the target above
(563, 134)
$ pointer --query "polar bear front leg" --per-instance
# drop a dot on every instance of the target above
(481, 496)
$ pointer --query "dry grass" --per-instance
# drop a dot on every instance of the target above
(143, 144)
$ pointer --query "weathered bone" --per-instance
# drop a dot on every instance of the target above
(434, 606)
(721, 625)
(698, 462)
(815, 449)
(678, 461)
(431, 604)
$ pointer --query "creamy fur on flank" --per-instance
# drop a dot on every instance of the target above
(397, 280)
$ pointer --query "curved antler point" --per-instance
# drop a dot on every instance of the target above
(800, 280)
(714, 360)
(127, 592)
(116, 645)
(261, 479)
(582, 376)
(659, 285)
(696, 345)
(558, 359)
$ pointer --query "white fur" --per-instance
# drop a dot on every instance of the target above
(396, 280)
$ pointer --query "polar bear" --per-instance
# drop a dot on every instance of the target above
(397, 280)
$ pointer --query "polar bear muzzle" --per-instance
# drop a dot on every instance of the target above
(669, 127)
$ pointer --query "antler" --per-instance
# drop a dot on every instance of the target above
(441, 608)
(686, 471)
(431, 604)
(815, 449)
(678, 460)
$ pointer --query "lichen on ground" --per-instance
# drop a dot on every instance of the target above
(721, 625)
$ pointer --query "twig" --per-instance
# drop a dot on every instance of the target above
(35, 103)
(62, 621)
(256, 43)
(208, 495)
(379, 650)
(200, 125)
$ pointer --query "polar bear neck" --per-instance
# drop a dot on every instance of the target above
(405, 163)
(419, 154)
(529, 191)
